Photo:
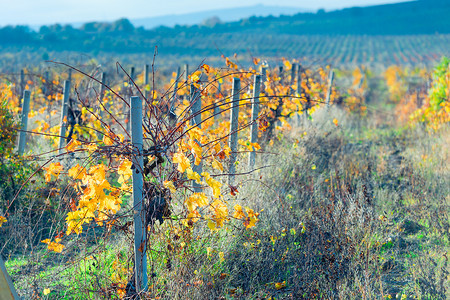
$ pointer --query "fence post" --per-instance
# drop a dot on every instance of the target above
(25, 110)
(330, 86)
(22, 82)
(46, 85)
(196, 107)
(64, 108)
(146, 76)
(234, 118)
(140, 243)
(175, 91)
(299, 89)
(7, 290)
(186, 72)
(254, 126)
(217, 109)
(100, 106)
(293, 70)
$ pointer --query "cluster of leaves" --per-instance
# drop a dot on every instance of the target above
(435, 109)
(421, 97)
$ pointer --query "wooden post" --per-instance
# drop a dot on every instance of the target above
(280, 70)
(25, 110)
(46, 86)
(64, 108)
(100, 106)
(196, 107)
(186, 72)
(132, 73)
(281, 99)
(299, 89)
(216, 110)
(175, 91)
(146, 76)
(234, 125)
(263, 79)
(186, 78)
(140, 243)
(128, 94)
(293, 70)
(22, 82)
(330, 86)
(254, 126)
(7, 289)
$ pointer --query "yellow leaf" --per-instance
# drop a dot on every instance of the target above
(196, 200)
(251, 219)
(193, 175)
(194, 216)
(217, 165)
(77, 172)
(220, 212)
(72, 145)
(238, 213)
(206, 68)
(182, 161)
(221, 257)
(280, 285)
(208, 251)
(195, 77)
(46, 292)
(2, 220)
(287, 64)
(108, 140)
(211, 225)
(214, 184)
(53, 246)
(52, 169)
(335, 122)
(169, 185)
(121, 137)
(91, 147)
(124, 170)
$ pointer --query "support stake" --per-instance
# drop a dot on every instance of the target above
(140, 243)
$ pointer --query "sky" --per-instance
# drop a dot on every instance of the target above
(38, 12)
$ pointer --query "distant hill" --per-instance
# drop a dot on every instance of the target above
(407, 32)
(224, 15)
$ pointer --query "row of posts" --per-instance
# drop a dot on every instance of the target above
(195, 97)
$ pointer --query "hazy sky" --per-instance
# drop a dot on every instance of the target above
(36, 12)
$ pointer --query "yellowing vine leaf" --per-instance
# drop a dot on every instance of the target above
(124, 170)
(193, 175)
(214, 184)
(54, 246)
(53, 169)
(169, 185)
(77, 172)
(220, 211)
(238, 212)
(182, 161)
(2, 220)
(280, 285)
(196, 200)
(251, 219)
(73, 145)
(217, 165)
(108, 140)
